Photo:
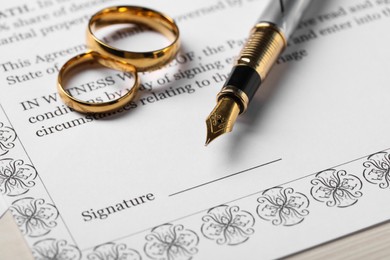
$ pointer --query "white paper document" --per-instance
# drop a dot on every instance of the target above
(307, 163)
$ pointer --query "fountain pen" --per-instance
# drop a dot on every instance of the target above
(266, 42)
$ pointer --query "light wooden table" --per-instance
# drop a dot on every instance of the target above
(372, 243)
(12, 244)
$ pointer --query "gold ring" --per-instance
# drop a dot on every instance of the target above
(85, 59)
(135, 15)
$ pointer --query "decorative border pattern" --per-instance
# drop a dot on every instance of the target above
(16, 177)
(377, 169)
(34, 217)
(170, 241)
(228, 225)
(7, 139)
(110, 251)
(30, 203)
(283, 206)
(51, 248)
(224, 225)
(336, 188)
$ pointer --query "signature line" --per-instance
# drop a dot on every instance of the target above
(225, 177)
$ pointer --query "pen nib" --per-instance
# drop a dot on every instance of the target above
(222, 118)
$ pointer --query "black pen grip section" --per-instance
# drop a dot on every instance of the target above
(246, 79)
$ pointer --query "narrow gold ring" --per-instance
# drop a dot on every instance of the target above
(85, 59)
(135, 15)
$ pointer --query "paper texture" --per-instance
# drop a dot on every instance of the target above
(306, 164)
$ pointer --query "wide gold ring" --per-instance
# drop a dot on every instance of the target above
(141, 16)
(85, 59)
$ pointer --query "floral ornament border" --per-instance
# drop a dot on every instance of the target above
(228, 225)
(51, 248)
(174, 242)
(112, 251)
(34, 217)
(283, 206)
(377, 169)
(16, 177)
(171, 242)
(7, 138)
(336, 188)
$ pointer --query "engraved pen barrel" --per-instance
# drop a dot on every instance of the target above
(266, 42)
(261, 51)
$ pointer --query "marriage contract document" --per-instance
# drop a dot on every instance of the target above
(307, 163)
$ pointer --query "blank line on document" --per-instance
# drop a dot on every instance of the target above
(225, 177)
